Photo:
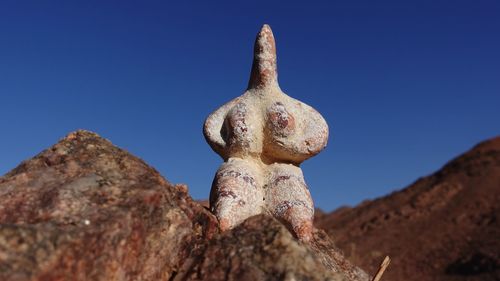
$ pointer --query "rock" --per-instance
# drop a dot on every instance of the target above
(87, 210)
(263, 136)
(261, 248)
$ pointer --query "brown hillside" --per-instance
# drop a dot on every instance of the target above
(442, 227)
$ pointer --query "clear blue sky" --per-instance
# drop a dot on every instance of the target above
(404, 85)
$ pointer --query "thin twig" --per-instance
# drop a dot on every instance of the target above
(382, 268)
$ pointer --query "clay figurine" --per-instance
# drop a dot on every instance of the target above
(263, 136)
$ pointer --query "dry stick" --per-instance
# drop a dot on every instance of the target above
(382, 268)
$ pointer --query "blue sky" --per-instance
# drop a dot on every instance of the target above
(404, 85)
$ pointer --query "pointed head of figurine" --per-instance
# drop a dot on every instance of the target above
(264, 70)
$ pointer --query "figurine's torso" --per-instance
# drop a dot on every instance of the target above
(267, 127)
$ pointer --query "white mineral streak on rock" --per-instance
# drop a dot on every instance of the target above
(263, 136)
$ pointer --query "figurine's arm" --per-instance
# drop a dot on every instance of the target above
(213, 126)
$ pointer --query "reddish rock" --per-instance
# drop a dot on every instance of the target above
(443, 227)
(87, 210)
(261, 248)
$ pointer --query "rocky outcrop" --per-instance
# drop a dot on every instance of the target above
(262, 249)
(443, 227)
(87, 210)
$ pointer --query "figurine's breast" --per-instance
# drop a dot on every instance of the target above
(241, 129)
(281, 131)
(293, 131)
(280, 122)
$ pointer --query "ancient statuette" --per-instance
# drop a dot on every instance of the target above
(263, 136)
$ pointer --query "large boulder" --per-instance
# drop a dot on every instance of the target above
(87, 210)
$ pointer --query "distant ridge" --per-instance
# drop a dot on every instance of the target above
(442, 227)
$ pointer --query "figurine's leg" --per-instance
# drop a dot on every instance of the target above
(288, 199)
(236, 192)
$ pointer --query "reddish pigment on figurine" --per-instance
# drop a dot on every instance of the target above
(263, 136)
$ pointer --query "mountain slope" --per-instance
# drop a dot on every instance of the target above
(442, 227)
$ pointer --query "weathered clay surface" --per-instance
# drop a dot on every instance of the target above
(87, 210)
(262, 249)
(263, 136)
